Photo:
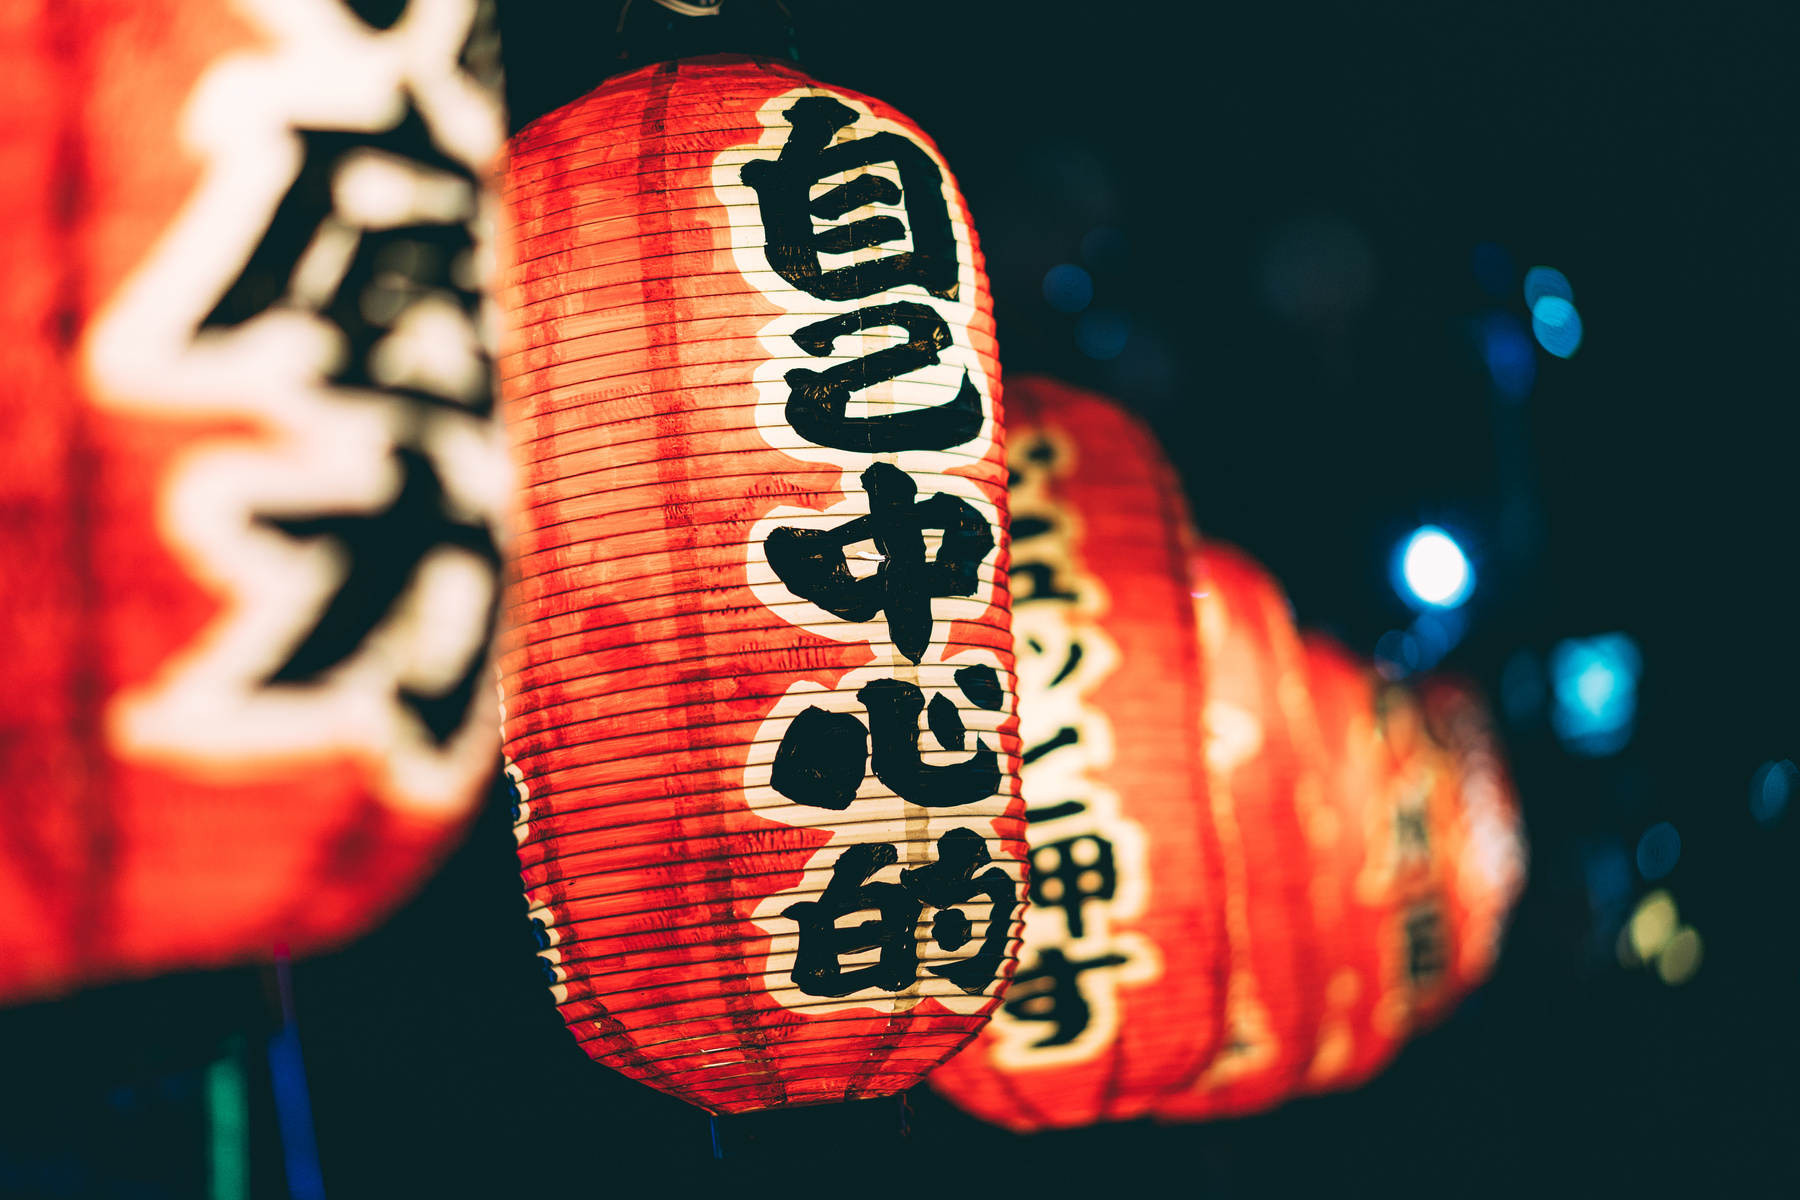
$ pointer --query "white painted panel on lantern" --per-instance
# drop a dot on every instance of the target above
(874, 800)
(748, 241)
(774, 594)
(878, 815)
(329, 449)
(1062, 654)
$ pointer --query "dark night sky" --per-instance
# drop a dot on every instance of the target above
(1640, 149)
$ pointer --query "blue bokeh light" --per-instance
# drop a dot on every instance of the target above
(1433, 570)
(1102, 334)
(1595, 680)
(1658, 850)
(1068, 288)
(1546, 281)
(1773, 785)
(1507, 351)
(1557, 326)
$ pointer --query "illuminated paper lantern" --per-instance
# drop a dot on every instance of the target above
(1120, 986)
(1486, 846)
(250, 471)
(1380, 850)
(1358, 770)
(1264, 792)
(759, 676)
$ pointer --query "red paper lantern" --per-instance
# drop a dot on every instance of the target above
(1359, 769)
(759, 682)
(1121, 981)
(1380, 844)
(249, 475)
(1484, 838)
(1265, 792)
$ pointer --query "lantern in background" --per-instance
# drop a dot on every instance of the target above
(1265, 783)
(1485, 836)
(758, 684)
(1406, 834)
(1120, 983)
(251, 473)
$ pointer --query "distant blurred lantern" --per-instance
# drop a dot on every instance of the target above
(759, 681)
(1265, 784)
(1119, 987)
(1371, 844)
(250, 474)
(1431, 858)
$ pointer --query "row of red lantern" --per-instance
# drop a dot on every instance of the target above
(760, 670)
(1277, 913)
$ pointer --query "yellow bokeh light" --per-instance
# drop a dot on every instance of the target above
(1680, 956)
(1653, 924)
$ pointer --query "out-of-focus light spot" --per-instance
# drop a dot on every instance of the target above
(1505, 348)
(1102, 334)
(1595, 681)
(1068, 288)
(1396, 655)
(1523, 688)
(1653, 924)
(1494, 269)
(1434, 570)
(1105, 249)
(1546, 281)
(1680, 958)
(1658, 850)
(1557, 326)
(1771, 788)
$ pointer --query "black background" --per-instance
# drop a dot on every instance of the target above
(1640, 149)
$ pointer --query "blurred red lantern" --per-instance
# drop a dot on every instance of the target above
(250, 475)
(1380, 842)
(1120, 984)
(1484, 837)
(759, 678)
(1265, 792)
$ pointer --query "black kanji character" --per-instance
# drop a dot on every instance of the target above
(981, 684)
(1412, 835)
(812, 563)
(894, 708)
(823, 755)
(1044, 586)
(817, 399)
(818, 970)
(784, 186)
(822, 759)
(1425, 949)
(1066, 736)
(1050, 990)
(1069, 873)
(389, 270)
(951, 880)
(385, 549)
